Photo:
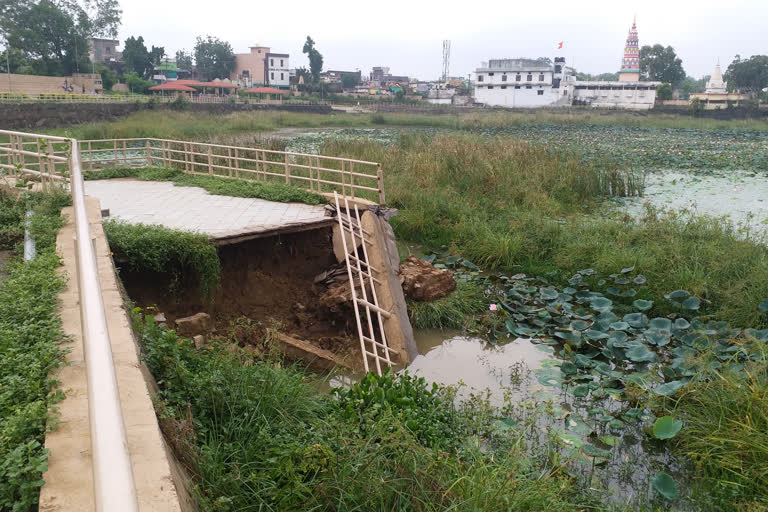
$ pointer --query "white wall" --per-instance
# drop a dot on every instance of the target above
(516, 98)
(630, 99)
(276, 70)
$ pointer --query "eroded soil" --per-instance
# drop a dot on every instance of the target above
(265, 283)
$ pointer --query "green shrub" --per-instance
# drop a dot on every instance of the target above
(453, 311)
(150, 248)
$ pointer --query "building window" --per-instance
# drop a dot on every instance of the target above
(490, 87)
(281, 76)
(504, 78)
(517, 78)
(517, 87)
(540, 92)
(271, 63)
(281, 63)
(479, 78)
(528, 87)
(541, 77)
(272, 76)
(558, 68)
(529, 78)
(503, 86)
(490, 74)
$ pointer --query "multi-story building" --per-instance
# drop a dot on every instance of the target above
(261, 67)
(521, 83)
(104, 50)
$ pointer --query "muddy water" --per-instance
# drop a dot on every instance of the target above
(474, 366)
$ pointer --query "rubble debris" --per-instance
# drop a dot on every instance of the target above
(422, 281)
(199, 341)
(199, 323)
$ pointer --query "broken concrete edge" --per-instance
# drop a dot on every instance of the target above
(69, 478)
(282, 230)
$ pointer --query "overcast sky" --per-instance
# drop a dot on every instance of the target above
(407, 36)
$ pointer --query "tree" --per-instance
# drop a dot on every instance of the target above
(664, 92)
(136, 57)
(136, 84)
(108, 77)
(315, 59)
(156, 55)
(214, 58)
(750, 76)
(349, 80)
(183, 60)
(52, 34)
(690, 85)
(18, 60)
(661, 64)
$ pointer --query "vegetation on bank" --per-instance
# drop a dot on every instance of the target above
(269, 191)
(200, 126)
(454, 311)
(256, 435)
(187, 258)
(30, 338)
(519, 207)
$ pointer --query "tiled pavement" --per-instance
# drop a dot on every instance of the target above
(194, 209)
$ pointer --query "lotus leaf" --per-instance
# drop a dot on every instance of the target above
(763, 307)
(681, 324)
(669, 388)
(576, 423)
(594, 451)
(619, 326)
(579, 325)
(627, 270)
(568, 368)
(640, 354)
(580, 391)
(691, 303)
(616, 424)
(596, 335)
(665, 485)
(609, 440)
(640, 279)
(636, 320)
(666, 427)
(549, 293)
(658, 338)
(571, 440)
(601, 304)
(550, 377)
(677, 295)
(643, 305)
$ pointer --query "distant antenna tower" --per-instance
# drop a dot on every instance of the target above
(446, 58)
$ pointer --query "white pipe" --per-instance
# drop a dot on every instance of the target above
(29, 243)
(114, 488)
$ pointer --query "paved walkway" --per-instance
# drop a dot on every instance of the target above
(194, 209)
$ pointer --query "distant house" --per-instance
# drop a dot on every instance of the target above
(333, 76)
(716, 94)
(261, 67)
(104, 50)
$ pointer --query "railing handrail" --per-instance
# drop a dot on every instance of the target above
(113, 480)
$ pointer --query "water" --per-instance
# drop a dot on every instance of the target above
(738, 195)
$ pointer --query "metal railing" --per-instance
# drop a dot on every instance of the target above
(55, 161)
(357, 179)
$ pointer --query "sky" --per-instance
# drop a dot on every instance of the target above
(407, 36)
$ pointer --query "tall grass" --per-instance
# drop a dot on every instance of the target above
(205, 127)
(726, 435)
(258, 437)
(515, 206)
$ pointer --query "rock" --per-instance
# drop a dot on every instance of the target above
(160, 319)
(199, 323)
(338, 298)
(422, 281)
(199, 341)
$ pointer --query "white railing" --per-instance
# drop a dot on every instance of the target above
(57, 160)
(357, 179)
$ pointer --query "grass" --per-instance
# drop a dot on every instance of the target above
(199, 126)
(30, 338)
(725, 435)
(519, 207)
(188, 257)
(453, 311)
(269, 191)
(256, 435)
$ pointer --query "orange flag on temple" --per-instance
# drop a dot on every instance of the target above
(560, 45)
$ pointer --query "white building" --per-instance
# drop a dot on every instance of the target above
(276, 70)
(618, 94)
(521, 83)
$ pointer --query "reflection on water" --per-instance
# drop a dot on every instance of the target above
(475, 366)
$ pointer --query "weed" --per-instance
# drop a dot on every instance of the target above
(156, 249)
(453, 311)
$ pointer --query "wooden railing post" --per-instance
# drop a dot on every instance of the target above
(210, 163)
(149, 153)
(287, 170)
(380, 182)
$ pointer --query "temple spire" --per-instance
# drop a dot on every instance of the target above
(630, 64)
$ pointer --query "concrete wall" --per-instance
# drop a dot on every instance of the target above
(516, 95)
(15, 116)
(32, 85)
(253, 63)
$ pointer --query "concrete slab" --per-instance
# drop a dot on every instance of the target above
(225, 219)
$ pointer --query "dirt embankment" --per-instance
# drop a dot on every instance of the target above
(270, 282)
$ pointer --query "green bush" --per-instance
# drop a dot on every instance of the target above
(30, 335)
(150, 248)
